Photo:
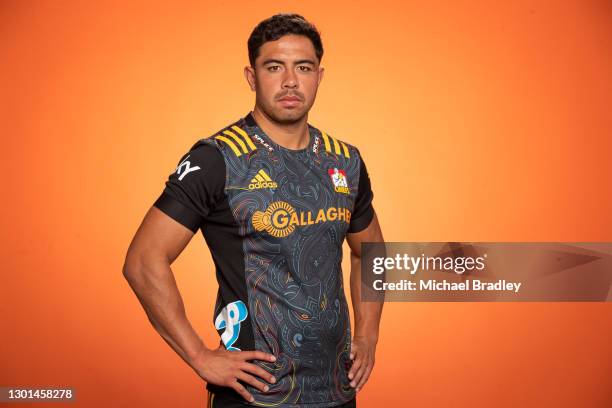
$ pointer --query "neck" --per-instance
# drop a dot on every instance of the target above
(295, 136)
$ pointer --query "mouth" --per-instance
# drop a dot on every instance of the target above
(289, 101)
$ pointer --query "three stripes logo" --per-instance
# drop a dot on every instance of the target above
(262, 180)
(336, 146)
(237, 139)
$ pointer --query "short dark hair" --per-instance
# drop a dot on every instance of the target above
(273, 28)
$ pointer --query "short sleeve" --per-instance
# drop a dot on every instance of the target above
(363, 212)
(195, 186)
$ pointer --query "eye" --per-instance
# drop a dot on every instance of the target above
(304, 68)
(273, 68)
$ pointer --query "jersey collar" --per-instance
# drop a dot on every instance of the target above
(251, 123)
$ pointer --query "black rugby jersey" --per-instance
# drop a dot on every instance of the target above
(275, 220)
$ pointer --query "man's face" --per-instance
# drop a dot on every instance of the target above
(285, 78)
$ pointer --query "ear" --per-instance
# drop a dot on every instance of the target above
(321, 71)
(249, 74)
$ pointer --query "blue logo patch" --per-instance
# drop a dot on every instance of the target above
(229, 319)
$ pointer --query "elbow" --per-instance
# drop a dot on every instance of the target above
(144, 265)
(128, 273)
(126, 270)
(131, 266)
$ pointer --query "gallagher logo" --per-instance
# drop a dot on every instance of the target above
(338, 177)
(280, 218)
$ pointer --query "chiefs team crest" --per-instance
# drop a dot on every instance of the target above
(338, 177)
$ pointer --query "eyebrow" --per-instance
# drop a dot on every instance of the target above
(275, 61)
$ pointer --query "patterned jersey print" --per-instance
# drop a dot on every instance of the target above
(275, 220)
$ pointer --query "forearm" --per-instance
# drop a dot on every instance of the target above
(152, 280)
(367, 314)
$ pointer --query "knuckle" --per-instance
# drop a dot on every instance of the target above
(251, 368)
(259, 385)
(259, 373)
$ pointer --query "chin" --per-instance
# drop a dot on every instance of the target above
(289, 115)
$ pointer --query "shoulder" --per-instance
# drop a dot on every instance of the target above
(338, 146)
(205, 149)
(202, 163)
(232, 140)
(203, 155)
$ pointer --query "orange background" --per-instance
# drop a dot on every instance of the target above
(478, 122)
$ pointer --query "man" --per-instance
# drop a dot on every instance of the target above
(275, 198)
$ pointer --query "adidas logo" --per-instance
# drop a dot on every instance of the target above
(262, 180)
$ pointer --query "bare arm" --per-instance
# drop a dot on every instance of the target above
(367, 314)
(157, 243)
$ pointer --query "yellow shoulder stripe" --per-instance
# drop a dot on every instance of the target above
(229, 143)
(326, 140)
(246, 137)
(237, 139)
(336, 145)
(346, 152)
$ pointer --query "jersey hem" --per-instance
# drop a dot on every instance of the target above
(306, 404)
(230, 396)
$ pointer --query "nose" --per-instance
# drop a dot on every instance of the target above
(290, 79)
